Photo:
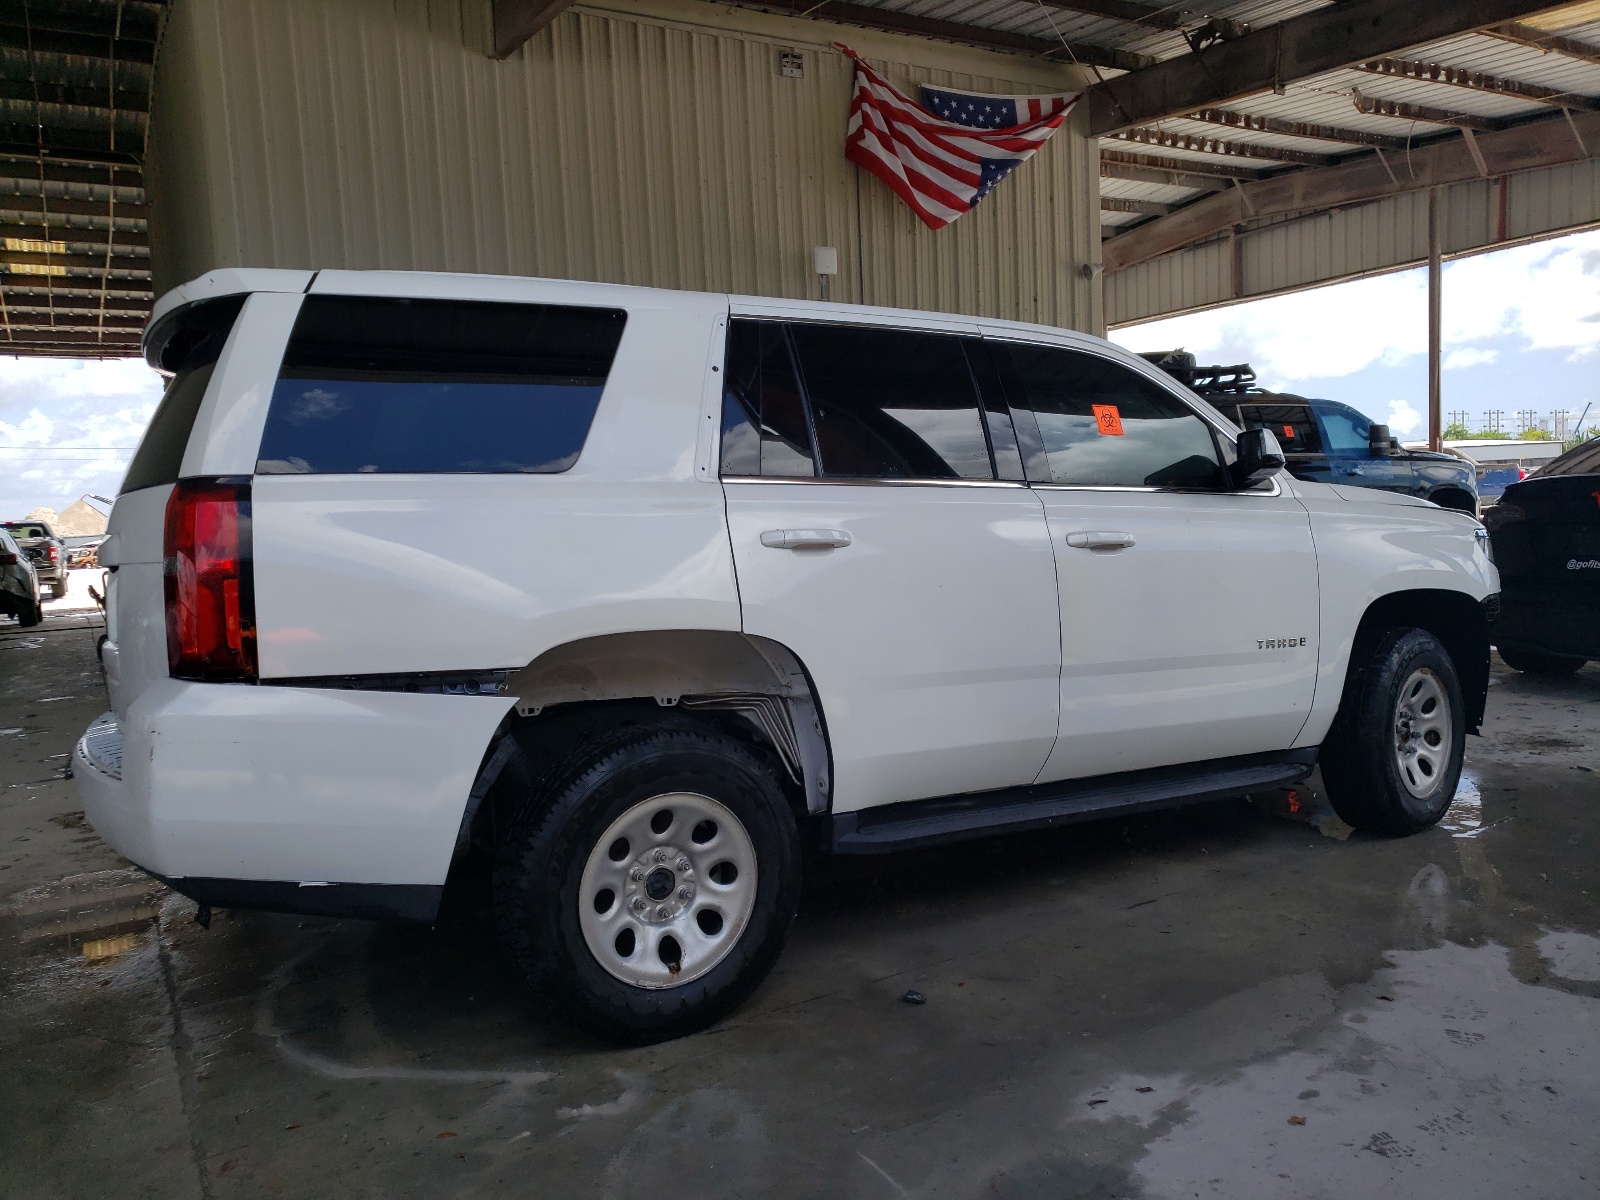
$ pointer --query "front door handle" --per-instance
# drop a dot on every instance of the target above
(805, 539)
(1099, 540)
(1354, 471)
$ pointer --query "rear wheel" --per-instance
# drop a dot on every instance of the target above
(57, 590)
(650, 887)
(1532, 662)
(1393, 757)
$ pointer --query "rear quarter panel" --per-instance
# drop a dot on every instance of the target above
(1370, 544)
(364, 574)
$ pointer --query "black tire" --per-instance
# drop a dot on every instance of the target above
(31, 617)
(1363, 755)
(1532, 662)
(57, 590)
(541, 864)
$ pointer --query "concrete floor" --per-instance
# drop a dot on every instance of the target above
(1208, 1003)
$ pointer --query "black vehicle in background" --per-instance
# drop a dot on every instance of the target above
(19, 583)
(1546, 537)
(1325, 441)
(49, 557)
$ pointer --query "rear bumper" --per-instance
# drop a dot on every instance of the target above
(277, 793)
(1553, 628)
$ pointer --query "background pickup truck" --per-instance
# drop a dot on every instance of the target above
(46, 551)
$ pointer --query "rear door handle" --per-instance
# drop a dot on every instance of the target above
(805, 539)
(1099, 540)
(1354, 471)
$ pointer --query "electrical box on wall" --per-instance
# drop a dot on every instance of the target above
(791, 64)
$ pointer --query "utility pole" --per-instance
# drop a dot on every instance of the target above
(1494, 422)
(1435, 324)
(1459, 417)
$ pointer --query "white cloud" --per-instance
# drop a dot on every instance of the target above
(1541, 297)
(1403, 419)
(1469, 356)
(49, 408)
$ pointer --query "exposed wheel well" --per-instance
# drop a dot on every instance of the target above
(1456, 498)
(1458, 621)
(751, 689)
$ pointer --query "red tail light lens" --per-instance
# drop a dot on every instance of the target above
(55, 555)
(211, 624)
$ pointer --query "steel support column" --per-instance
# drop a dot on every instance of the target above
(1435, 325)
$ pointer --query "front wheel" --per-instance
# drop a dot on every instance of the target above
(31, 615)
(1393, 757)
(651, 886)
(1532, 662)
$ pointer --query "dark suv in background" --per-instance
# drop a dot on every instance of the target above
(1325, 441)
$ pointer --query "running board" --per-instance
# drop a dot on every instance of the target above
(1010, 810)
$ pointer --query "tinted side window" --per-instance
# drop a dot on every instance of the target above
(1346, 430)
(1104, 425)
(186, 343)
(891, 404)
(764, 425)
(380, 385)
(1291, 424)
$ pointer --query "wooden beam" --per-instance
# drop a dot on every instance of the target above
(1550, 43)
(1543, 142)
(1220, 146)
(93, 263)
(842, 12)
(1399, 109)
(515, 21)
(98, 47)
(1299, 129)
(1274, 55)
(64, 321)
(1477, 81)
(24, 164)
(72, 95)
(1206, 174)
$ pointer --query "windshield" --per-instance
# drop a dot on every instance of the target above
(1585, 460)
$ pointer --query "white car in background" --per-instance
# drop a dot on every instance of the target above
(616, 594)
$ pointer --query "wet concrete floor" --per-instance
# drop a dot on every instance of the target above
(1217, 1002)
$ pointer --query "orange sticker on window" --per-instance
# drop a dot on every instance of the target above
(1288, 432)
(1107, 419)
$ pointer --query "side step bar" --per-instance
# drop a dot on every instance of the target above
(1010, 810)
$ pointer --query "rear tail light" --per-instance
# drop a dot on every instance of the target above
(7, 558)
(211, 625)
(55, 555)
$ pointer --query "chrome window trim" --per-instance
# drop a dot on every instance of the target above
(847, 481)
(1277, 489)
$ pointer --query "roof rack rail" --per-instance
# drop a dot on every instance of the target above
(1180, 364)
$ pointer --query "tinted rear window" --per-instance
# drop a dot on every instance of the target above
(26, 531)
(380, 385)
(186, 343)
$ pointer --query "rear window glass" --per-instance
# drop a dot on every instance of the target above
(891, 404)
(381, 385)
(1291, 424)
(186, 343)
(26, 531)
(764, 425)
(1585, 460)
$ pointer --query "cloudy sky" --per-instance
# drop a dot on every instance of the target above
(1522, 331)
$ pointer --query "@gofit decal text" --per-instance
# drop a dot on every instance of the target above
(1279, 643)
(1107, 419)
(1583, 564)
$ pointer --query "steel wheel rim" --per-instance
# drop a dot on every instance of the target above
(667, 890)
(1422, 733)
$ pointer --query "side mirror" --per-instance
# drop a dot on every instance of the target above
(1260, 458)
(1378, 440)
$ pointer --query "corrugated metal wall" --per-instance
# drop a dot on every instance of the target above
(662, 149)
(1361, 240)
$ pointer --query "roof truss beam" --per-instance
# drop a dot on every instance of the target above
(1115, 163)
(1300, 129)
(1145, 208)
(1205, 145)
(1373, 106)
(1546, 141)
(515, 21)
(889, 21)
(1275, 55)
(1166, 17)
(1477, 81)
(64, 206)
(1551, 43)
(42, 40)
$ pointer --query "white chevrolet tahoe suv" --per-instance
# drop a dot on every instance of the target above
(611, 596)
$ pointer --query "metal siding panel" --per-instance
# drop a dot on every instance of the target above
(614, 146)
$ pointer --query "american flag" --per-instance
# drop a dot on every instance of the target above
(943, 158)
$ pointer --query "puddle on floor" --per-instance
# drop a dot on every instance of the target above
(1464, 817)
